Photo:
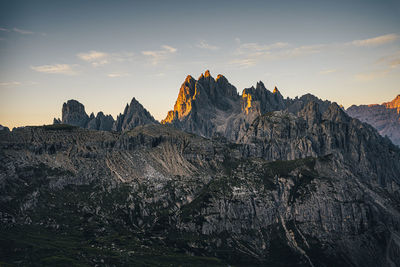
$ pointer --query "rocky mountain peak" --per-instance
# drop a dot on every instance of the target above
(206, 93)
(221, 77)
(260, 86)
(261, 100)
(74, 113)
(394, 104)
(335, 113)
(189, 79)
(134, 115)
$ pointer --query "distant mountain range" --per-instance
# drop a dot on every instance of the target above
(385, 117)
(225, 179)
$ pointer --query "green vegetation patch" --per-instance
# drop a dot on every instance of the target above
(57, 127)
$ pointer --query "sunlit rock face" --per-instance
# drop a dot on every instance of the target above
(385, 117)
(260, 100)
(209, 107)
(201, 103)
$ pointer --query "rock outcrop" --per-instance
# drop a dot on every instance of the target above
(134, 115)
(4, 128)
(385, 117)
(73, 113)
(201, 103)
(209, 107)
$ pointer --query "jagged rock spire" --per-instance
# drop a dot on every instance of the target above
(134, 115)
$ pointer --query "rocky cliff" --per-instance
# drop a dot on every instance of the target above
(134, 115)
(385, 117)
(313, 189)
(212, 107)
(73, 113)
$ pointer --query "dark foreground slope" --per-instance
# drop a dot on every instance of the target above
(158, 196)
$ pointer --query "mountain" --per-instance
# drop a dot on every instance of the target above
(159, 196)
(276, 182)
(73, 113)
(134, 115)
(385, 117)
(212, 107)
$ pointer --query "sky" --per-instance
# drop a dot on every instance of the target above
(103, 53)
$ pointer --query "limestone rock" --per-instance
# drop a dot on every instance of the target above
(385, 117)
(134, 115)
(209, 107)
(73, 113)
(163, 193)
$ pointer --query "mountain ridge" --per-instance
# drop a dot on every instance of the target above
(384, 117)
(229, 179)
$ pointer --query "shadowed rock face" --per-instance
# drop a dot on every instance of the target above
(134, 115)
(385, 117)
(73, 113)
(171, 195)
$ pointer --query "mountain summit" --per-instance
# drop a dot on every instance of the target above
(394, 104)
(210, 107)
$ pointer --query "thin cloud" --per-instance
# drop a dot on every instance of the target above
(380, 40)
(22, 31)
(15, 83)
(9, 84)
(159, 55)
(323, 72)
(117, 75)
(391, 61)
(252, 53)
(304, 50)
(370, 76)
(244, 63)
(259, 47)
(95, 58)
(204, 45)
(55, 69)
(169, 48)
(394, 63)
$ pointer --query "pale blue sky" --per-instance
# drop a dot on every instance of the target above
(103, 53)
